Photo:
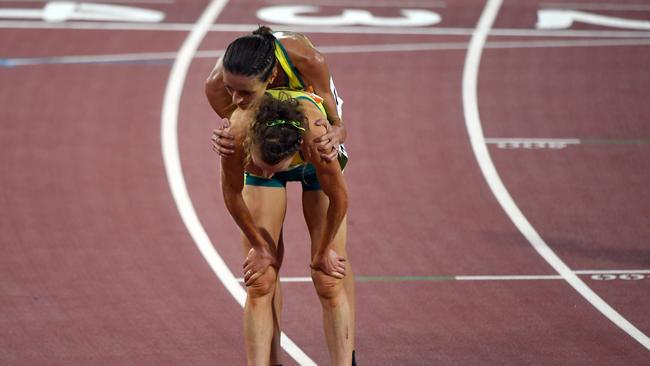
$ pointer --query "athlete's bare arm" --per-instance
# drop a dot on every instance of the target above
(221, 102)
(232, 185)
(314, 70)
(333, 185)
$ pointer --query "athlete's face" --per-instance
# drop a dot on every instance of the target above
(269, 170)
(245, 90)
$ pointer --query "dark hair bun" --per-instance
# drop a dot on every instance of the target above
(263, 31)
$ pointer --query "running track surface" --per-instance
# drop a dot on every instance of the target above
(97, 267)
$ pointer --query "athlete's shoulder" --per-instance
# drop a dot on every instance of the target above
(313, 114)
(287, 36)
(216, 74)
(240, 120)
(299, 48)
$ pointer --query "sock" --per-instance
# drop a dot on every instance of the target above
(354, 360)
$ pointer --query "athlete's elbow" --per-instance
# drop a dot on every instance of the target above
(231, 195)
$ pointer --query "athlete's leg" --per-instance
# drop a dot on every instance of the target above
(276, 349)
(268, 207)
(336, 296)
(349, 279)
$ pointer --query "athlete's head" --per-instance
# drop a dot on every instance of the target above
(275, 135)
(249, 66)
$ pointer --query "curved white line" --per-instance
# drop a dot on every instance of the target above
(477, 140)
(171, 159)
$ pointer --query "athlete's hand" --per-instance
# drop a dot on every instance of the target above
(257, 262)
(223, 143)
(329, 263)
(328, 144)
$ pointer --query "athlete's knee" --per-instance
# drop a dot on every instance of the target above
(263, 285)
(327, 287)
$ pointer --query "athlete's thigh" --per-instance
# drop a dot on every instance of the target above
(268, 206)
(314, 207)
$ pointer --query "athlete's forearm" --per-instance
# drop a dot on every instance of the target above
(234, 200)
(335, 189)
(317, 71)
(335, 214)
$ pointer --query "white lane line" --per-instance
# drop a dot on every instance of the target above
(85, 59)
(171, 158)
(626, 272)
(285, 279)
(398, 47)
(567, 43)
(432, 278)
(479, 147)
(444, 46)
(508, 278)
(523, 32)
(237, 28)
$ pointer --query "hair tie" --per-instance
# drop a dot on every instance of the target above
(279, 122)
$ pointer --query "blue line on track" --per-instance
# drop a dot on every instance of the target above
(8, 62)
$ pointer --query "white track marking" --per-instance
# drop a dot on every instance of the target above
(531, 143)
(508, 278)
(174, 27)
(479, 147)
(361, 3)
(436, 46)
(103, 1)
(451, 278)
(246, 28)
(124, 57)
(307, 15)
(622, 7)
(171, 158)
(477, 277)
(61, 11)
(564, 19)
(371, 48)
(611, 271)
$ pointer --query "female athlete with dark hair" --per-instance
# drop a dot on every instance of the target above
(251, 65)
(274, 145)
(265, 60)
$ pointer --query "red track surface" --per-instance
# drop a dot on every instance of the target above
(97, 267)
